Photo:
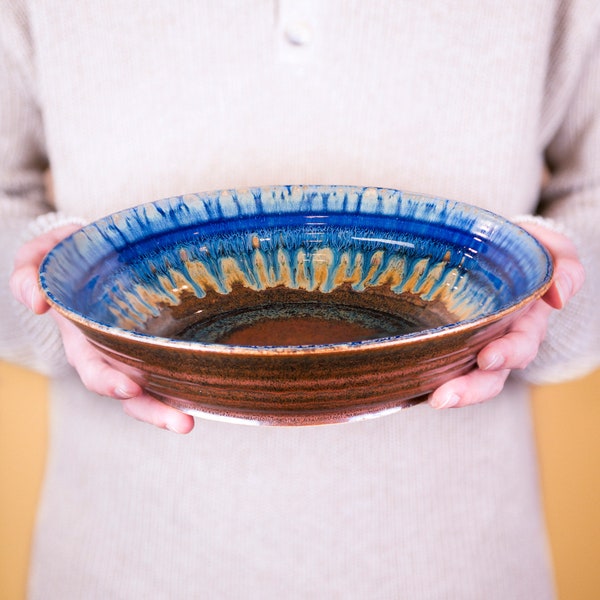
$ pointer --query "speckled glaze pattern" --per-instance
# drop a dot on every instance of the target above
(206, 299)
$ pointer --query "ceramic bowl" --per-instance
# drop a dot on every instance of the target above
(295, 305)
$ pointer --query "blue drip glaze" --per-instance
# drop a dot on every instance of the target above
(210, 227)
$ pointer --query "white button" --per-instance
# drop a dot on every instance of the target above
(298, 33)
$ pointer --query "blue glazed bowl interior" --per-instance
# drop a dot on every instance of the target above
(268, 266)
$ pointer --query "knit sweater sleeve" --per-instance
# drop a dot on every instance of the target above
(25, 210)
(571, 198)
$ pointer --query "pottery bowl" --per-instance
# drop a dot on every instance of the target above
(295, 305)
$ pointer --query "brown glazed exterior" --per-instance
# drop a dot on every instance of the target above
(288, 386)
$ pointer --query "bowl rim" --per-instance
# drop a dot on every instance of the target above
(442, 331)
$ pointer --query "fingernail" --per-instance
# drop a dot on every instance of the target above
(173, 427)
(565, 288)
(451, 399)
(125, 392)
(32, 293)
(27, 292)
(495, 362)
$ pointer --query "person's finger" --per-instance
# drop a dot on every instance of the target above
(520, 345)
(103, 379)
(517, 348)
(569, 274)
(150, 410)
(95, 373)
(24, 287)
(472, 388)
(24, 278)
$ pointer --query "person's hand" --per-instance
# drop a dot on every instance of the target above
(96, 374)
(520, 345)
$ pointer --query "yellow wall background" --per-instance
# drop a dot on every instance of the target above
(567, 425)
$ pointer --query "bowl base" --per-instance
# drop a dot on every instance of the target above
(282, 316)
(298, 324)
(292, 419)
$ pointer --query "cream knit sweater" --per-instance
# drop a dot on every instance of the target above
(129, 101)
